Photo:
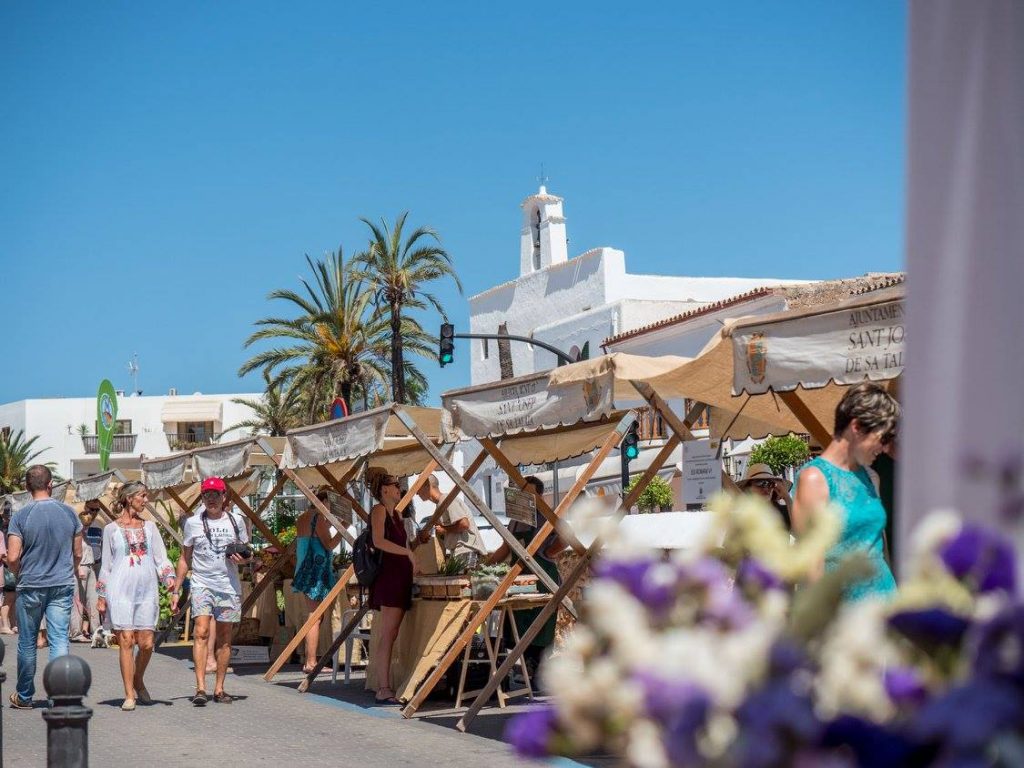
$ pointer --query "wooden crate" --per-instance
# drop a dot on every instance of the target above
(442, 587)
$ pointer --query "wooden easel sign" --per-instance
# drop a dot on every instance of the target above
(521, 506)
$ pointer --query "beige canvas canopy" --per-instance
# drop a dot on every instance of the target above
(771, 374)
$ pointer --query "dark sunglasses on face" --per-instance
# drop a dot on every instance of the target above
(211, 494)
(390, 482)
(763, 483)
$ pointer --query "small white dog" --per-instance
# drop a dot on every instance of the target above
(101, 638)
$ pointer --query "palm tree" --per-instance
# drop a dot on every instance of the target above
(274, 413)
(338, 341)
(397, 272)
(16, 456)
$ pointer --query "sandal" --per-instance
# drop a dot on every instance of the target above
(128, 705)
(200, 699)
(386, 699)
(223, 697)
(142, 695)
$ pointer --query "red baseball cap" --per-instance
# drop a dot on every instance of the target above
(213, 484)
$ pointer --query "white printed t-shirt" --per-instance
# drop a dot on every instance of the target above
(210, 567)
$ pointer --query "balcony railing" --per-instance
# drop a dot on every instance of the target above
(120, 444)
(187, 442)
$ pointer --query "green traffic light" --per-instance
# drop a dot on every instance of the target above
(632, 451)
(446, 358)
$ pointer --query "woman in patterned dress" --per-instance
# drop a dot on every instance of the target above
(134, 561)
(865, 423)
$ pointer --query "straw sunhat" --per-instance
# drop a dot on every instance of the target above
(762, 472)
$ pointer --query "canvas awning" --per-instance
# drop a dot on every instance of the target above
(191, 409)
(91, 488)
(749, 355)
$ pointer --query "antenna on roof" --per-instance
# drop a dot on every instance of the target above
(543, 180)
(133, 371)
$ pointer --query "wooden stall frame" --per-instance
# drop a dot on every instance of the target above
(325, 658)
(680, 430)
(486, 606)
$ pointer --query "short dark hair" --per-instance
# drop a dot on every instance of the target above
(38, 478)
(536, 482)
(871, 406)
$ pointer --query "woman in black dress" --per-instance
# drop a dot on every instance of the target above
(391, 592)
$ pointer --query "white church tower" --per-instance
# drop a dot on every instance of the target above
(542, 242)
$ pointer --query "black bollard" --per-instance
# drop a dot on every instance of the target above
(3, 679)
(67, 680)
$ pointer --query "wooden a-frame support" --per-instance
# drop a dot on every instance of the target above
(558, 597)
(348, 629)
(680, 431)
(317, 613)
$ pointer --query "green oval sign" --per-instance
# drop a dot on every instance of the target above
(106, 421)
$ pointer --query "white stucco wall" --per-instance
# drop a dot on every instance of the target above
(56, 421)
(587, 298)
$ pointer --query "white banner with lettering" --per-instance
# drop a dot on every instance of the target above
(847, 346)
(524, 405)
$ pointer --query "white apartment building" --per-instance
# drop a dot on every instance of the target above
(148, 427)
(572, 303)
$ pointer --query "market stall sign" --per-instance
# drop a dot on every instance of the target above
(524, 405)
(702, 471)
(847, 346)
(521, 506)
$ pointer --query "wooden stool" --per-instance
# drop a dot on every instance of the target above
(506, 609)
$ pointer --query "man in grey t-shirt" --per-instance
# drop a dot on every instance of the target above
(44, 547)
(461, 537)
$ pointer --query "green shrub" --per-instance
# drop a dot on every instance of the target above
(656, 496)
(780, 453)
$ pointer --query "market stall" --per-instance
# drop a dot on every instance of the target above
(559, 406)
(241, 464)
(334, 453)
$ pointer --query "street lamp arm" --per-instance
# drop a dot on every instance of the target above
(565, 358)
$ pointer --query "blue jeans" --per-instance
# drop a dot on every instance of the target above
(33, 603)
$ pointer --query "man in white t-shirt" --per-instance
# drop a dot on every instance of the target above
(215, 587)
(457, 530)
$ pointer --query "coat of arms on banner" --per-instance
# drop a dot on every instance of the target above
(591, 395)
(757, 357)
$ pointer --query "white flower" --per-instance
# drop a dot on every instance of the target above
(931, 534)
(644, 746)
(854, 657)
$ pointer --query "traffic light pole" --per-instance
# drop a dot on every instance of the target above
(562, 356)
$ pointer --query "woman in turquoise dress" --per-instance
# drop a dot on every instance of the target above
(865, 423)
(314, 570)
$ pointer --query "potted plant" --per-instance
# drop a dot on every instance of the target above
(484, 580)
(656, 497)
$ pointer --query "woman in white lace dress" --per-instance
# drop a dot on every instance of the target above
(134, 561)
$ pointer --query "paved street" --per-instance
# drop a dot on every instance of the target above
(270, 723)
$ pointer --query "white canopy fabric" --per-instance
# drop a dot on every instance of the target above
(226, 461)
(90, 488)
(334, 441)
(525, 404)
(861, 338)
(165, 472)
(191, 409)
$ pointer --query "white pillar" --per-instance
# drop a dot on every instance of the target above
(964, 388)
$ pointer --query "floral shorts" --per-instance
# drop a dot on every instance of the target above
(225, 607)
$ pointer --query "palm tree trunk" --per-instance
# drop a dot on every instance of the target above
(397, 364)
(346, 393)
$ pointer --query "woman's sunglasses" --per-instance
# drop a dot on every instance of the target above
(763, 483)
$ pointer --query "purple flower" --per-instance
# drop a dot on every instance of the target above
(981, 557)
(655, 593)
(726, 607)
(904, 686)
(785, 658)
(998, 646)
(775, 723)
(532, 733)
(873, 745)
(681, 708)
(931, 628)
(964, 722)
(753, 574)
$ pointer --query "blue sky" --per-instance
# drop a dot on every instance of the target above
(164, 167)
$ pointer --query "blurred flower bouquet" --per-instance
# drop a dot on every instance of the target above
(731, 655)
